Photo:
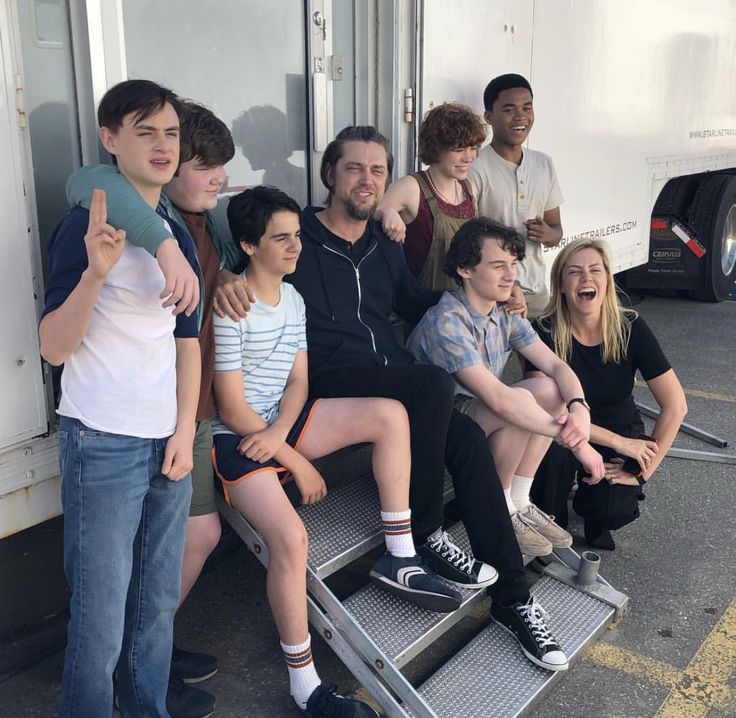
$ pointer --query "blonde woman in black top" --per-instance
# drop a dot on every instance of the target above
(606, 345)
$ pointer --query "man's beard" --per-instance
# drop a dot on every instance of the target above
(360, 213)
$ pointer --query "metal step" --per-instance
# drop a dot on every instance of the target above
(400, 629)
(346, 524)
(491, 676)
(376, 633)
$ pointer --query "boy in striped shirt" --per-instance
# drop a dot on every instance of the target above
(266, 430)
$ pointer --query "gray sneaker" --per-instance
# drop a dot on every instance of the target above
(545, 525)
(530, 542)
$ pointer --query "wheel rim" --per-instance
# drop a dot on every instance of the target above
(728, 246)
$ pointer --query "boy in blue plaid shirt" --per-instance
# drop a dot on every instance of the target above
(470, 335)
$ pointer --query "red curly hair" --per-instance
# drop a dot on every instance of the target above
(448, 126)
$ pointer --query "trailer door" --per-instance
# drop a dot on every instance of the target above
(23, 412)
(262, 67)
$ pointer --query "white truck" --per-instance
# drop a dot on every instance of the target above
(634, 102)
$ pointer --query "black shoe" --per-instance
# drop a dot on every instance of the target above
(453, 564)
(325, 703)
(526, 623)
(412, 580)
(598, 537)
(192, 667)
(183, 701)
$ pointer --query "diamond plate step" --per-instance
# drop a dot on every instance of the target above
(399, 628)
(491, 677)
(345, 524)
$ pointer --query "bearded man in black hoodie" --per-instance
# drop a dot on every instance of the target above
(354, 280)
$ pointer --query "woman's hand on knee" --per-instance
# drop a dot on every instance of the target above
(615, 474)
(640, 449)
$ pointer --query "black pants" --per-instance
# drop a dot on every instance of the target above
(441, 436)
(604, 506)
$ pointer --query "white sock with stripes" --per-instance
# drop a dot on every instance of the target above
(303, 678)
(397, 533)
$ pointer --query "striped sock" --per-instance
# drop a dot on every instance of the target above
(397, 533)
(303, 678)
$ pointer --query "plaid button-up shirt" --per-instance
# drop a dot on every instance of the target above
(453, 335)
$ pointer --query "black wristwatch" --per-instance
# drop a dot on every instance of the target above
(578, 400)
(640, 479)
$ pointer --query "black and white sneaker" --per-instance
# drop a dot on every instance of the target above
(526, 623)
(453, 564)
(411, 579)
(325, 703)
(192, 667)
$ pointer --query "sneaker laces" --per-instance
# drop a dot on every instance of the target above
(519, 524)
(537, 513)
(452, 552)
(535, 616)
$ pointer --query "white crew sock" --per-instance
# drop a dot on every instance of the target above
(509, 501)
(520, 488)
(303, 678)
(397, 533)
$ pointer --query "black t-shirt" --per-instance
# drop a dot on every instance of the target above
(608, 387)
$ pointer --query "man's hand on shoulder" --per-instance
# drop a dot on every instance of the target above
(516, 303)
(233, 296)
(104, 243)
(182, 284)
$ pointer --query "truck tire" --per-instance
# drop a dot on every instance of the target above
(676, 196)
(712, 216)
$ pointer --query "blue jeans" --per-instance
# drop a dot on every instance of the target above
(124, 530)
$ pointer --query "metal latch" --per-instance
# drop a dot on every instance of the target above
(408, 105)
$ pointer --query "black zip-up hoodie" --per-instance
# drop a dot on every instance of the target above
(349, 308)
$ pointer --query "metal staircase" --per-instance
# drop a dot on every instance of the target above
(376, 634)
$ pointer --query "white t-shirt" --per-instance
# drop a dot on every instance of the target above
(512, 194)
(122, 377)
(263, 346)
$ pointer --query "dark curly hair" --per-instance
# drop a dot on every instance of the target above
(449, 126)
(204, 136)
(466, 247)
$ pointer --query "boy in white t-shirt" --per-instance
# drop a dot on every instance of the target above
(129, 394)
(266, 430)
(518, 187)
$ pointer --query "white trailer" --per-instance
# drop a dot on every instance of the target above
(630, 97)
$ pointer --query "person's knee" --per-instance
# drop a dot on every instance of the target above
(203, 533)
(547, 394)
(390, 417)
(289, 547)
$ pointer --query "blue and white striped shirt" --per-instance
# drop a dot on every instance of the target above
(263, 346)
